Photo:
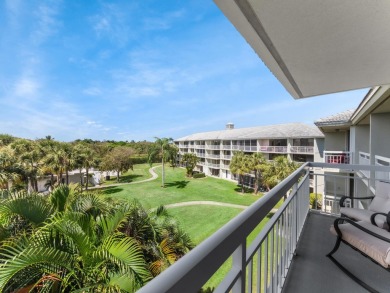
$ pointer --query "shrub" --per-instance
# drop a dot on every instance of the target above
(313, 201)
(199, 175)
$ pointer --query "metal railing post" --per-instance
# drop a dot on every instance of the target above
(239, 262)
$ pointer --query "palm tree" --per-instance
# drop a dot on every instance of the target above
(277, 170)
(74, 243)
(240, 165)
(29, 156)
(257, 163)
(84, 157)
(9, 169)
(161, 147)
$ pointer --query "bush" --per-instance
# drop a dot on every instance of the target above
(313, 201)
(199, 175)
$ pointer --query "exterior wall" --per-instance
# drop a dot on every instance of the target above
(336, 141)
(380, 136)
(319, 144)
(359, 141)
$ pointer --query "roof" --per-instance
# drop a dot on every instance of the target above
(316, 47)
(290, 130)
(343, 118)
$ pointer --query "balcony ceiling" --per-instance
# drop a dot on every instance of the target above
(317, 47)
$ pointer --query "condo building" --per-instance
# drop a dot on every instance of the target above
(297, 141)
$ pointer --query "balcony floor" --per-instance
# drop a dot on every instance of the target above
(311, 271)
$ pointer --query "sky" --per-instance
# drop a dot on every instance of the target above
(136, 70)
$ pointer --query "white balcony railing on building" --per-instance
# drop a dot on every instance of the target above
(213, 147)
(199, 146)
(213, 156)
(273, 149)
(201, 163)
(365, 159)
(200, 155)
(302, 149)
(244, 148)
(262, 265)
(226, 147)
(224, 166)
(212, 165)
(382, 161)
(337, 157)
(226, 157)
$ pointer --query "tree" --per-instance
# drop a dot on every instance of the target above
(161, 147)
(189, 160)
(9, 170)
(29, 156)
(118, 159)
(277, 170)
(257, 164)
(240, 165)
(85, 157)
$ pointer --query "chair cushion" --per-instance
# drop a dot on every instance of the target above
(375, 248)
(381, 201)
(364, 215)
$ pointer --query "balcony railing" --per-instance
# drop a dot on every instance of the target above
(382, 161)
(244, 148)
(273, 149)
(200, 155)
(224, 166)
(302, 149)
(226, 147)
(263, 264)
(213, 156)
(212, 165)
(364, 159)
(198, 146)
(213, 147)
(226, 157)
(337, 157)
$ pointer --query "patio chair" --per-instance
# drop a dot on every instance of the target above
(371, 241)
(379, 204)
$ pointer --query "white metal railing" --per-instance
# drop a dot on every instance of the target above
(227, 157)
(365, 159)
(198, 146)
(302, 149)
(213, 147)
(212, 165)
(273, 149)
(226, 147)
(223, 166)
(262, 265)
(382, 161)
(244, 148)
(337, 157)
(200, 155)
(201, 163)
(213, 156)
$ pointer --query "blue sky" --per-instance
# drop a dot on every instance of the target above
(127, 70)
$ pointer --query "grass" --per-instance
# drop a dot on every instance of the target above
(199, 221)
(140, 172)
(179, 188)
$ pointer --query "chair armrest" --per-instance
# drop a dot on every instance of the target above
(372, 218)
(343, 198)
(343, 220)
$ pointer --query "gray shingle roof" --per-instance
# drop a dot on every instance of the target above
(342, 118)
(290, 130)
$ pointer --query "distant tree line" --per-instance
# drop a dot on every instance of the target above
(23, 161)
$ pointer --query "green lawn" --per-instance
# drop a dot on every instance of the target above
(179, 188)
(199, 221)
(140, 172)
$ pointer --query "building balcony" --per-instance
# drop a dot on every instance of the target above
(337, 157)
(288, 253)
(226, 147)
(202, 155)
(213, 147)
(213, 165)
(365, 159)
(302, 149)
(198, 146)
(273, 149)
(246, 148)
(213, 156)
(226, 157)
(223, 166)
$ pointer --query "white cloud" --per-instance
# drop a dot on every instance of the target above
(48, 24)
(92, 91)
(26, 87)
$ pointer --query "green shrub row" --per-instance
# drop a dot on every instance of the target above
(199, 175)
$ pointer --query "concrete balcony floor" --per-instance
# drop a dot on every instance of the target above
(311, 271)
